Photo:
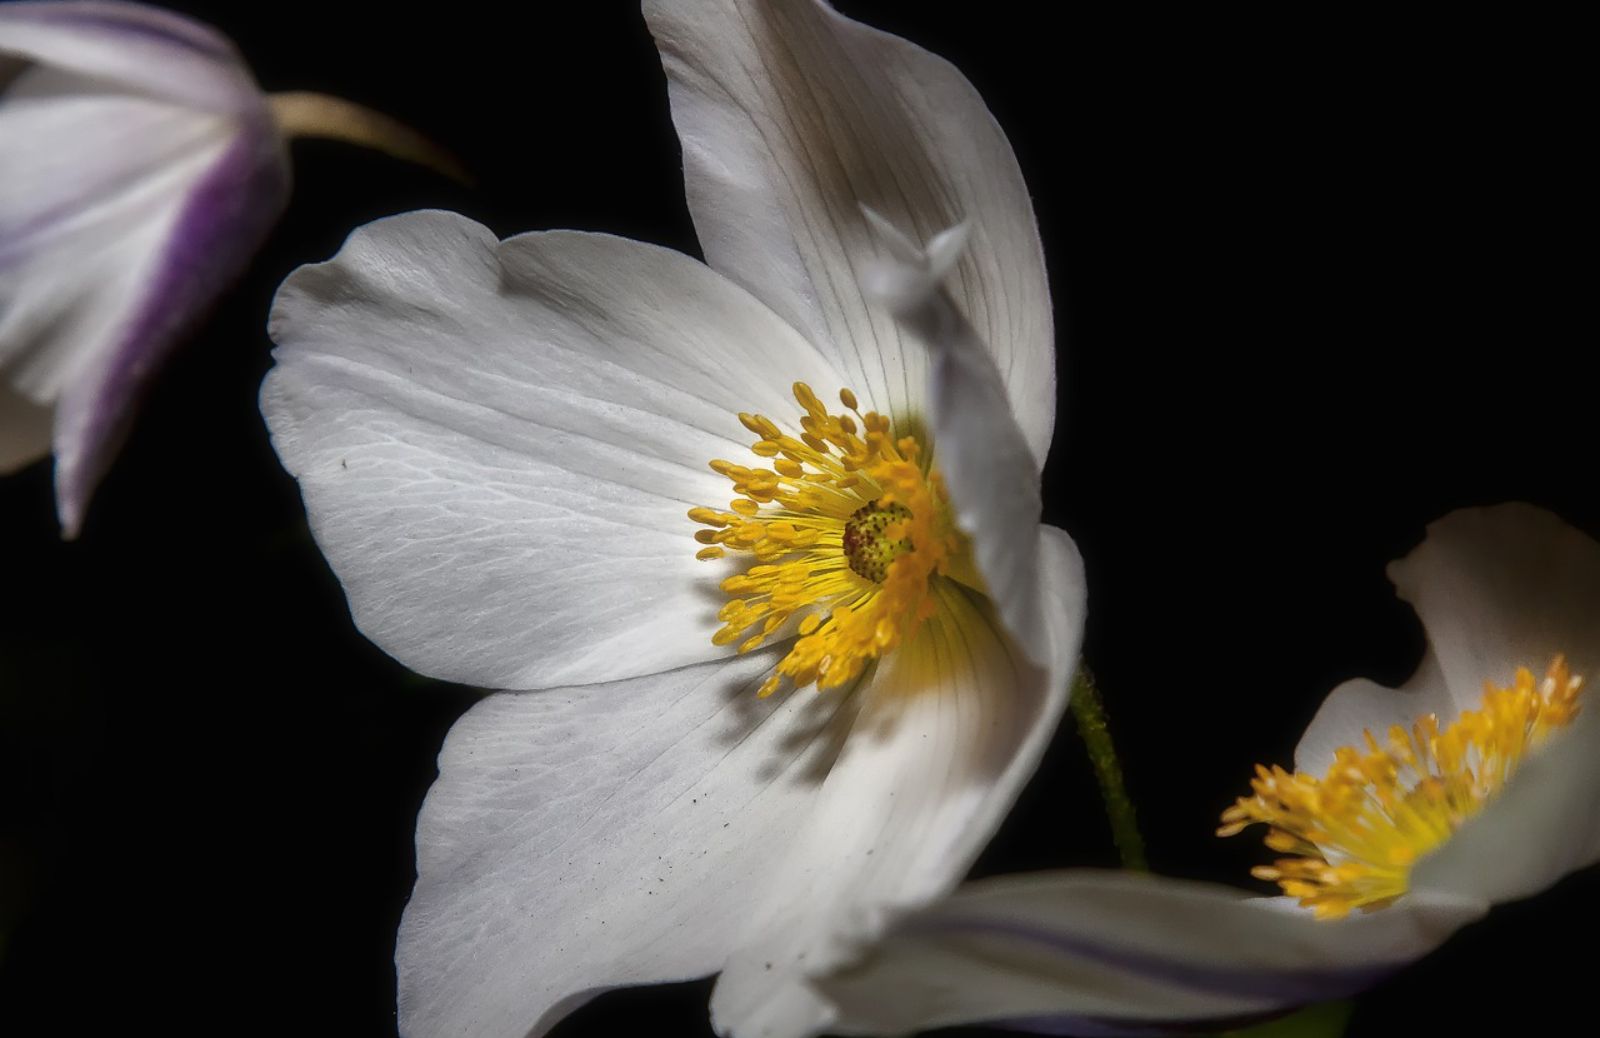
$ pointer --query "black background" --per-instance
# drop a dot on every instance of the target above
(1313, 286)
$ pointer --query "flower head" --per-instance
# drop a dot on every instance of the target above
(145, 170)
(781, 664)
(1410, 814)
(142, 169)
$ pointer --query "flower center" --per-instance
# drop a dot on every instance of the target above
(846, 532)
(874, 537)
(1355, 833)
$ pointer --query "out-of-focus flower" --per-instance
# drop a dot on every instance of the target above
(141, 168)
(504, 452)
(1474, 784)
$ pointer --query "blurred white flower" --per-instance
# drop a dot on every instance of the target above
(504, 449)
(140, 170)
(1477, 784)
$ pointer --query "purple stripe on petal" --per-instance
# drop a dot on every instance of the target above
(137, 20)
(228, 214)
(1107, 1027)
(1288, 987)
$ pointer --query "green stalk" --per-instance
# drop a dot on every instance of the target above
(1090, 713)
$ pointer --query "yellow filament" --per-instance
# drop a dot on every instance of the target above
(1355, 833)
(790, 518)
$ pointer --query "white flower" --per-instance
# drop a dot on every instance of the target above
(1464, 798)
(504, 449)
(141, 169)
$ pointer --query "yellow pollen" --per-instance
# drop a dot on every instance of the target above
(845, 532)
(1355, 833)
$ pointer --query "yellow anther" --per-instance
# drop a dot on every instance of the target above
(1357, 832)
(708, 516)
(808, 400)
(705, 554)
(858, 594)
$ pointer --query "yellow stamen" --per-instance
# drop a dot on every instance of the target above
(846, 531)
(1356, 832)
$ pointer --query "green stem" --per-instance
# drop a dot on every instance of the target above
(1090, 713)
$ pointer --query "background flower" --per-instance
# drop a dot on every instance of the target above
(1104, 953)
(143, 168)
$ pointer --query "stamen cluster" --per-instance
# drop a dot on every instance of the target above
(1356, 833)
(792, 518)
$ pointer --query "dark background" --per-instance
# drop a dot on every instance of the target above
(1313, 288)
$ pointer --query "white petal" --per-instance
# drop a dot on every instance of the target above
(668, 826)
(791, 116)
(499, 443)
(24, 431)
(1359, 705)
(1496, 589)
(1088, 952)
(582, 839)
(1544, 825)
(978, 447)
(954, 724)
(136, 47)
(1503, 587)
(120, 221)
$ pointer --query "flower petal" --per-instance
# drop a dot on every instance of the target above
(1544, 825)
(1496, 589)
(582, 839)
(951, 727)
(1503, 587)
(1091, 952)
(668, 826)
(499, 443)
(120, 221)
(978, 447)
(791, 117)
(137, 47)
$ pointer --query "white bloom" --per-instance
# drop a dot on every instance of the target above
(1465, 798)
(141, 170)
(504, 449)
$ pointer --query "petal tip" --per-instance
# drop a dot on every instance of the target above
(909, 275)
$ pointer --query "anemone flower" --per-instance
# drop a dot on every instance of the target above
(142, 167)
(1413, 811)
(748, 724)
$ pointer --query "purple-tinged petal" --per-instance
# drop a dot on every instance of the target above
(220, 221)
(134, 46)
(1118, 953)
(125, 215)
